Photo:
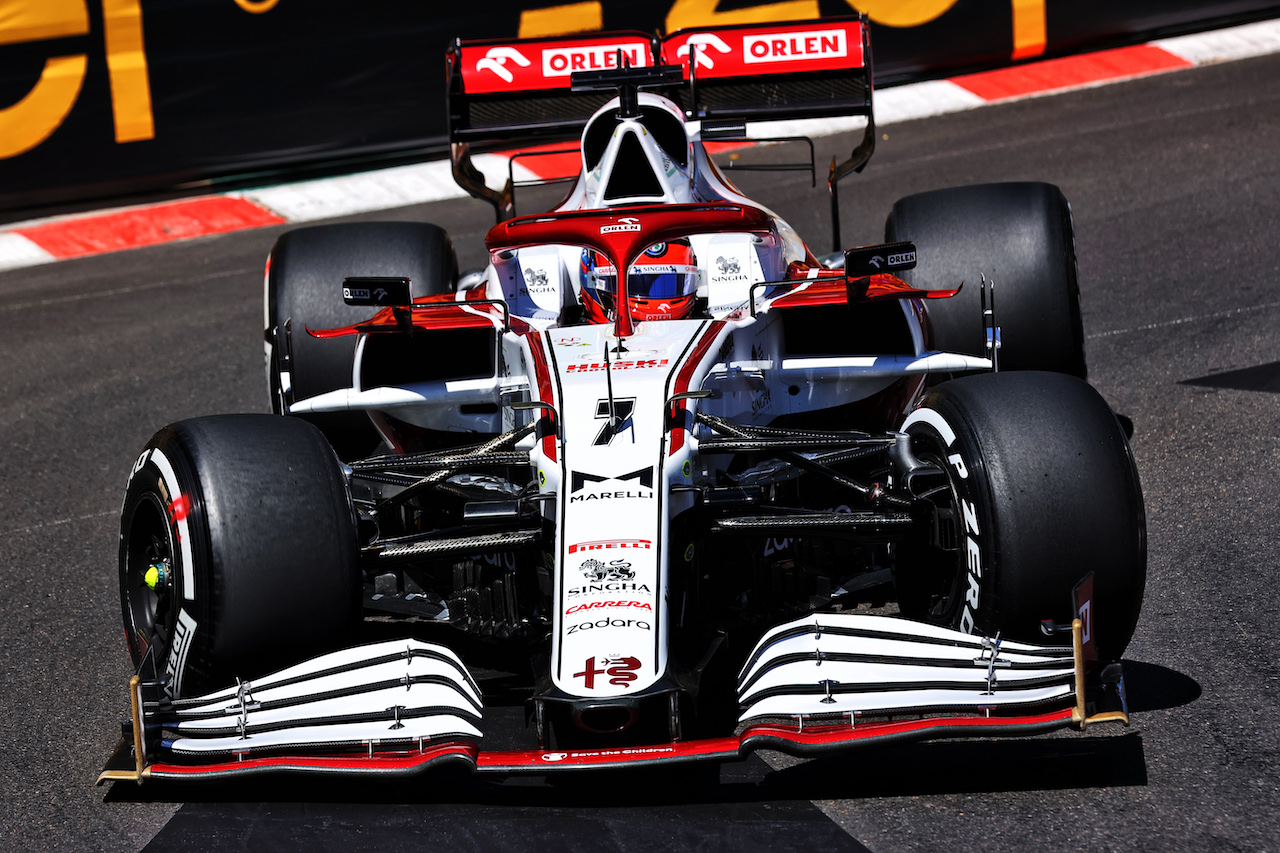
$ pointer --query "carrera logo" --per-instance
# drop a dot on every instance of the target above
(595, 605)
(563, 61)
(626, 223)
(496, 61)
(788, 47)
(638, 364)
(608, 544)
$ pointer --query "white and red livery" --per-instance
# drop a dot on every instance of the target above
(658, 454)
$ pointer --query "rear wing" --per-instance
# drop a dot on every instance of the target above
(512, 93)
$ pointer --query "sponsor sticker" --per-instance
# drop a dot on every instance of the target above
(640, 624)
(635, 364)
(621, 604)
(617, 570)
(563, 61)
(610, 544)
(642, 476)
(620, 671)
(790, 47)
(609, 588)
(496, 59)
(626, 223)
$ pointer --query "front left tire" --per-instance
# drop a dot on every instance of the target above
(237, 550)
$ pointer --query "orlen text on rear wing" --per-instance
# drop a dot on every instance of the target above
(515, 92)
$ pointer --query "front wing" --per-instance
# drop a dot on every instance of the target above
(823, 684)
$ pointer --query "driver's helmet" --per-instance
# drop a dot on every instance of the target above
(663, 284)
(637, 160)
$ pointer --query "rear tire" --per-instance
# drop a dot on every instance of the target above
(250, 518)
(1020, 236)
(304, 285)
(1040, 488)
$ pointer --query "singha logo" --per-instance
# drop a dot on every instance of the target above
(727, 266)
(597, 572)
(535, 278)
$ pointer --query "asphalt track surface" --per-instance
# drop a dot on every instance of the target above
(1175, 186)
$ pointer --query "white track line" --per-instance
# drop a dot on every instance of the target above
(1165, 324)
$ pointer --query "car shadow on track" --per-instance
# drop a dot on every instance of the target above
(1151, 687)
(972, 767)
(1263, 377)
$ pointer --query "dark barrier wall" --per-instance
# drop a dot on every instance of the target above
(104, 97)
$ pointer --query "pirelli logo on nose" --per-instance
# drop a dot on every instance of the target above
(786, 47)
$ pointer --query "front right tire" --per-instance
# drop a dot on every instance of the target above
(1033, 486)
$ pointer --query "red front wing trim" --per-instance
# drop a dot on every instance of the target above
(805, 740)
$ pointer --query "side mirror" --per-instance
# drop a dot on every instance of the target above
(376, 291)
(885, 258)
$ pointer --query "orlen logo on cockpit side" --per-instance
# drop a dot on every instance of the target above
(563, 61)
(785, 47)
(626, 223)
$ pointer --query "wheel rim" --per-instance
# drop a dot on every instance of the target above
(933, 578)
(148, 608)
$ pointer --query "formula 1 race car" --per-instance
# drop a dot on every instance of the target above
(678, 485)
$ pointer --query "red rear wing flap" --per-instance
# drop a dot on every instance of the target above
(764, 72)
(518, 90)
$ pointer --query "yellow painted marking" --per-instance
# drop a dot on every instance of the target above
(29, 122)
(37, 114)
(36, 20)
(1029, 28)
(560, 20)
(703, 13)
(903, 13)
(127, 68)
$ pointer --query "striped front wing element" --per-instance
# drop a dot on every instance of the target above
(841, 663)
(397, 692)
